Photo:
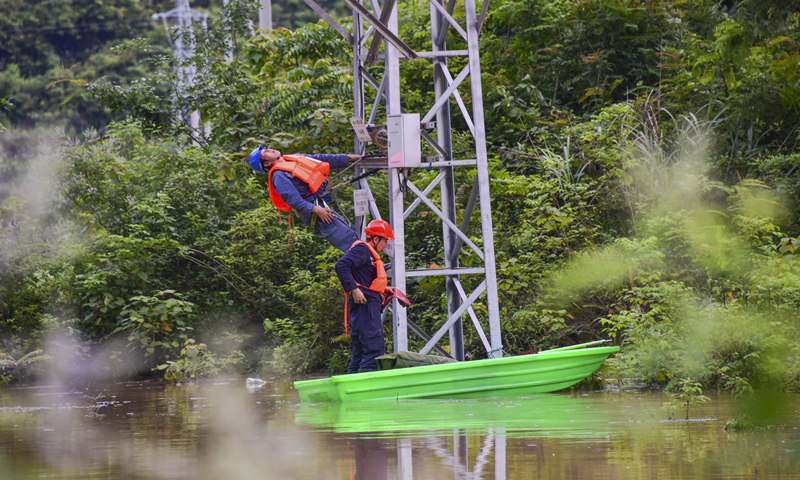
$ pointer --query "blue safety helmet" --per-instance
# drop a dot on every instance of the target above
(255, 160)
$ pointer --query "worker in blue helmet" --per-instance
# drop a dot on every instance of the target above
(299, 182)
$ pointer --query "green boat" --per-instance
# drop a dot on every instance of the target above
(544, 372)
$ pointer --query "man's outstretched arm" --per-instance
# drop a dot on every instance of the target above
(336, 160)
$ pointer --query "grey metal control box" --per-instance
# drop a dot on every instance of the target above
(404, 140)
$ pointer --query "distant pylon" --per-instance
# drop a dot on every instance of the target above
(185, 16)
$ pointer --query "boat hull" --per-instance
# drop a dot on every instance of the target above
(541, 373)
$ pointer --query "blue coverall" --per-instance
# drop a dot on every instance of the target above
(296, 193)
(366, 330)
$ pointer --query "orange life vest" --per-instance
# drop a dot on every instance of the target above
(313, 172)
(377, 285)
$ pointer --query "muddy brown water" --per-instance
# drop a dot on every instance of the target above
(223, 429)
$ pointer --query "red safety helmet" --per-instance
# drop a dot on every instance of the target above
(379, 228)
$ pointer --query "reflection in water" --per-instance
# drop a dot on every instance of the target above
(372, 459)
(492, 420)
(555, 415)
(492, 450)
(151, 430)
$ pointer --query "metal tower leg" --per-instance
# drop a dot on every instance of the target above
(405, 460)
(392, 75)
(500, 453)
(460, 455)
(358, 101)
(445, 140)
(483, 180)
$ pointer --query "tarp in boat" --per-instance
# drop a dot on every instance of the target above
(406, 359)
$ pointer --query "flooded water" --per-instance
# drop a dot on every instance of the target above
(151, 430)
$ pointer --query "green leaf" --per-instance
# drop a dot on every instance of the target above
(708, 75)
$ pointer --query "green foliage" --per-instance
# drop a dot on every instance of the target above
(289, 359)
(744, 63)
(789, 245)
(135, 243)
(4, 105)
(689, 393)
(156, 321)
(294, 14)
(643, 175)
(197, 362)
(742, 422)
(264, 258)
(40, 40)
(11, 367)
(583, 54)
(310, 338)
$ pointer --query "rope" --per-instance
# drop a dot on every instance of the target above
(366, 174)
(331, 179)
(339, 206)
(354, 180)
(363, 157)
(343, 184)
(489, 354)
(347, 168)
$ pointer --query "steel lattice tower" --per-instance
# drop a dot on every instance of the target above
(383, 28)
(408, 129)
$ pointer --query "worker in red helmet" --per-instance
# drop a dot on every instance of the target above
(363, 277)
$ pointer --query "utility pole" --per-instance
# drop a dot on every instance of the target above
(184, 16)
(265, 15)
